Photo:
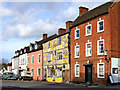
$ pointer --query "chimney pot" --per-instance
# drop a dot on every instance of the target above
(44, 35)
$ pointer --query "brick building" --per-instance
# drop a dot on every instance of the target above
(95, 44)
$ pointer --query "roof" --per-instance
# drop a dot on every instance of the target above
(100, 10)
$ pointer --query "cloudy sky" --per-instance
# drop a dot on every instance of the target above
(23, 22)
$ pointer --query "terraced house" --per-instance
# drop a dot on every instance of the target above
(95, 44)
(56, 57)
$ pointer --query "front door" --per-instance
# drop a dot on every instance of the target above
(88, 74)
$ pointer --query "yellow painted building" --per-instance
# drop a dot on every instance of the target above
(56, 58)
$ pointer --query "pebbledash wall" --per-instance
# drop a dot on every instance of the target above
(93, 68)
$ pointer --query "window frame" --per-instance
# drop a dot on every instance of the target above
(39, 58)
(58, 55)
(98, 47)
(91, 29)
(98, 30)
(32, 59)
(86, 49)
(98, 70)
(75, 51)
(78, 70)
(38, 74)
(32, 71)
(76, 33)
(59, 40)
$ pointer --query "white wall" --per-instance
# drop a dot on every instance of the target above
(115, 63)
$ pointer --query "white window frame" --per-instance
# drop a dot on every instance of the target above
(75, 51)
(78, 69)
(76, 33)
(91, 29)
(32, 59)
(38, 57)
(98, 26)
(98, 70)
(37, 72)
(98, 47)
(86, 49)
(28, 60)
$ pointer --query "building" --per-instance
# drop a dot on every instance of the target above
(95, 44)
(56, 56)
(15, 63)
(35, 58)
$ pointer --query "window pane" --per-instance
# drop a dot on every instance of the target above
(101, 72)
(77, 51)
(88, 29)
(101, 47)
(101, 25)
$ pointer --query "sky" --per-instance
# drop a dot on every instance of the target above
(23, 22)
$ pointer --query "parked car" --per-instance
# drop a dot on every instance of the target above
(14, 77)
(26, 75)
(7, 75)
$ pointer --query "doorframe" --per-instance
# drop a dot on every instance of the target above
(88, 65)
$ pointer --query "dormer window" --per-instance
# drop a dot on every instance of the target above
(24, 50)
(20, 52)
(30, 48)
(36, 46)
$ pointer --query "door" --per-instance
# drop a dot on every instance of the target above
(88, 74)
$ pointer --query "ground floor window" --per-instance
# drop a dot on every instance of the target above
(59, 72)
(38, 71)
(32, 71)
(100, 70)
(77, 70)
(49, 72)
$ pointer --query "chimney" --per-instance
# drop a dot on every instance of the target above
(82, 10)
(61, 31)
(44, 35)
(68, 25)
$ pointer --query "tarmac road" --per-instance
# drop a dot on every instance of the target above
(43, 85)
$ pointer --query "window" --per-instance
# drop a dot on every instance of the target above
(24, 50)
(88, 49)
(38, 71)
(100, 47)
(48, 44)
(32, 59)
(28, 59)
(59, 40)
(100, 70)
(77, 34)
(88, 30)
(115, 70)
(77, 74)
(49, 56)
(100, 26)
(77, 51)
(39, 58)
(30, 48)
(36, 46)
(59, 72)
(49, 74)
(32, 71)
(60, 56)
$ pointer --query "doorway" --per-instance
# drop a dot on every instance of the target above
(88, 74)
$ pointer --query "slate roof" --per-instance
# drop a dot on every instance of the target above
(100, 10)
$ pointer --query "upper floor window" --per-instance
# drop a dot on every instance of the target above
(77, 70)
(100, 26)
(49, 56)
(59, 40)
(32, 58)
(100, 70)
(36, 46)
(88, 29)
(88, 49)
(77, 51)
(100, 47)
(28, 59)
(60, 56)
(39, 58)
(49, 44)
(30, 48)
(77, 34)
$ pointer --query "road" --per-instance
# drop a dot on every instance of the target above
(38, 85)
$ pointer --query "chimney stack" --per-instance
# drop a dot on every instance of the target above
(82, 10)
(68, 25)
(44, 35)
(61, 31)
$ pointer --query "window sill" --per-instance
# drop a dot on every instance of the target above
(76, 38)
(88, 35)
(76, 76)
(99, 54)
(88, 56)
(100, 77)
(76, 57)
(100, 31)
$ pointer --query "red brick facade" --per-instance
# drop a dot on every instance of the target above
(111, 44)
